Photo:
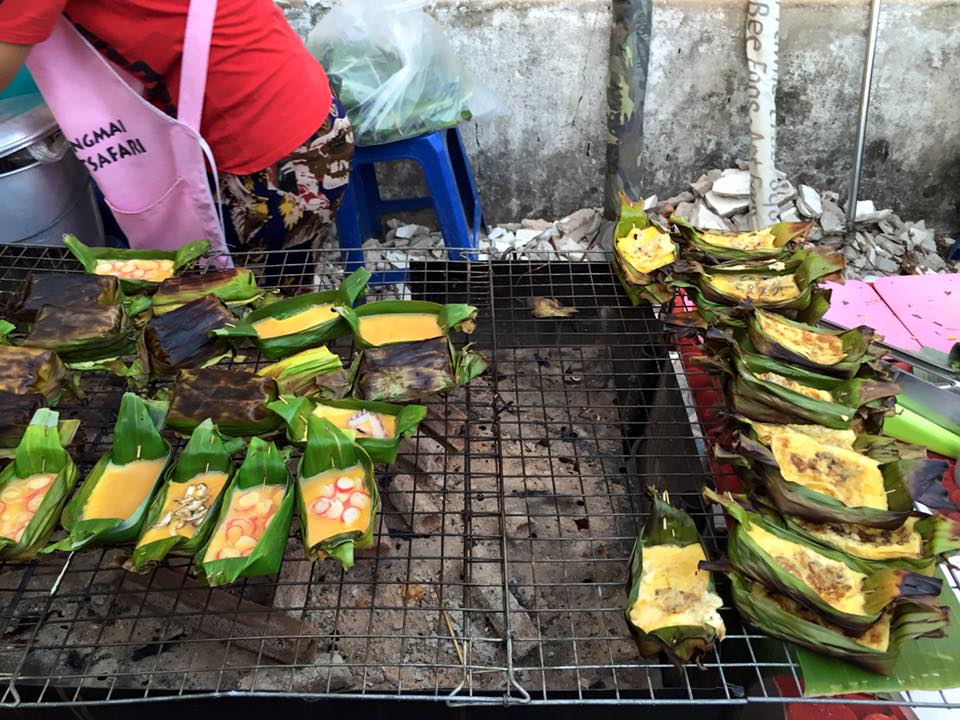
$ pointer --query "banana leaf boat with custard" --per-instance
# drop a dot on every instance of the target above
(775, 241)
(642, 254)
(137, 270)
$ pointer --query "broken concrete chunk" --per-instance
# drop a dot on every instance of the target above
(581, 217)
(705, 218)
(650, 202)
(808, 202)
(832, 220)
(702, 186)
(525, 235)
(786, 192)
(789, 216)
(686, 210)
(726, 206)
(537, 223)
(733, 183)
(887, 266)
(405, 232)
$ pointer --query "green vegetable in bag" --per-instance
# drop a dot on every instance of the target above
(33, 488)
(251, 533)
(112, 503)
(183, 513)
(376, 426)
(337, 496)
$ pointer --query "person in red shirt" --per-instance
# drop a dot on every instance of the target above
(282, 142)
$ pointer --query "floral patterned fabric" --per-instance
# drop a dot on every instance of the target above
(291, 205)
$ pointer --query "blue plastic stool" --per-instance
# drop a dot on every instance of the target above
(453, 197)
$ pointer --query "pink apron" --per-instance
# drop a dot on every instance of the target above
(152, 168)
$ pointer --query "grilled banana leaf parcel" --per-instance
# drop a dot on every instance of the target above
(33, 488)
(183, 338)
(337, 496)
(112, 503)
(137, 270)
(406, 352)
(236, 401)
(251, 532)
(671, 605)
(316, 372)
(876, 648)
(377, 427)
(773, 242)
(642, 254)
(831, 352)
(28, 370)
(287, 326)
(83, 333)
(841, 589)
(65, 291)
(819, 481)
(234, 287)
(183, 512)
(16, 412)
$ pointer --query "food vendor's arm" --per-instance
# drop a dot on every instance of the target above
(23, 23)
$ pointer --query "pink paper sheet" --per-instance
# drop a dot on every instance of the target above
(928, 305)
(857, 303)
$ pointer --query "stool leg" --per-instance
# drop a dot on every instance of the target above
(442, 183)
(348, 228)
(368, 201)
(465, 182)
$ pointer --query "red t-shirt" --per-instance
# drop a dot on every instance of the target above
(265, 93)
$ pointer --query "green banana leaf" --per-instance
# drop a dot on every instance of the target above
(235, 401)
(450, 317)
(788, 236)
(234, 287)
(877, 447)
(668, 525)
(316, 372)
(297, 411)
(781, 617)
(905, 482)
(88, 256)
(136, 436)
(40, 451)
(883, 588)
(328, 449)
(28, 370)
(182, 338)
(65, 291)
(16, 412)
(640, 287)
(277, 347)
(263, 466)
(84, 333)
(856, 345)
(205, 452)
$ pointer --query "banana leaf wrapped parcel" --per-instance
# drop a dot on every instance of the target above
(233, 287)
(642, 254)
(33, 488)
(405, 351)
(284, 327)
(316, 372)
(772, 242)
(671, 607)
(876, 648)
(30, 370)
(377, 427)
(137, 270)
(840, 589)
(84, 333)
(184, 510)
(183, 337)
(65, 291)
(250, 534)
(111, 505)
(236, 401)
(337, 496)
(16, 413)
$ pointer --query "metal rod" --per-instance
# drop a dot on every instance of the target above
(854, 193)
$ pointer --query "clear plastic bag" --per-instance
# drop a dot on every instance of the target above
(393, 69)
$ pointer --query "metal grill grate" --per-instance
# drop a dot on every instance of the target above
(499, 569)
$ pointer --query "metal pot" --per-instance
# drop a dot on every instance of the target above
(44, 190)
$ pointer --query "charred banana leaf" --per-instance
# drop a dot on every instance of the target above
(773, 242)
(16, 412)
(65, 291)
(377, 427)
(33, 488)
(287, 326)
(251, 531)
(28, 370)
(182, 338)
(642, 255)
(841, 589)
(111, 505)
(182, 515)
(337, 496)
(137, 270)
(876, 648)
(316, 372)
(671, 605)
(237, 286)
(235, 401)
(84, 333)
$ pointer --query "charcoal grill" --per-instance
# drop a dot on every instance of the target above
(515, 594)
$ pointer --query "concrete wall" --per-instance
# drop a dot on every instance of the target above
(547, 61)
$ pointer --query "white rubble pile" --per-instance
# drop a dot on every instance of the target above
(570, 237)
(882, 243)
